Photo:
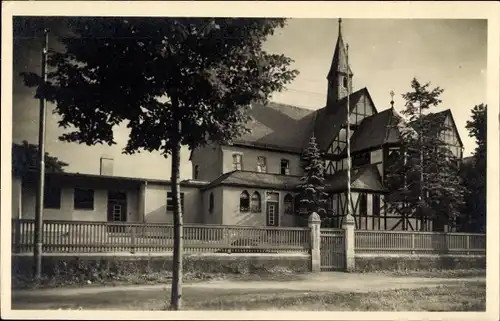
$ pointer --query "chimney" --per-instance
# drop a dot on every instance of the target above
(106, 167)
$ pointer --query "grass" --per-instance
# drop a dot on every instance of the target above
(164, 277)
(451, 274)
(460, 296)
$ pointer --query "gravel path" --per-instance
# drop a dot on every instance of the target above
(325, 281)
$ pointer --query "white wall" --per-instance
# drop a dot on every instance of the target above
(233, 216)
(156, 204)
(215, 217)
(67, 210)
(273, 160)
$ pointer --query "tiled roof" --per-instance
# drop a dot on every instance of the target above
(288, 128)
(32, 177)
(278, 126)
(376, 130)
(441, 117)
(255, 179)
(330, 119)
(339, 60)
(366, 178)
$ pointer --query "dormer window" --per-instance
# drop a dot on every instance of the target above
(261, 164)
(237, 161)
(285, 167)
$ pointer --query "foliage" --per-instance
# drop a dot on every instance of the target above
(25, 158)
(473, 218)
(423, 175)
(172, 81)
(312, 197)
(152, 72)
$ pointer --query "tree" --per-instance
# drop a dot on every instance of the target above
(173, 81)
(312, 197)
(473, 218)
(424, 175)
(25, 158)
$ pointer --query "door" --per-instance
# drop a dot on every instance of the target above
(117, 210)
(272, 211)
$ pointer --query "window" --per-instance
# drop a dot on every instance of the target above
(52, 197)
(244, 201)
(83, 199)
(285, 167)
(170, 202)
(211, 203)
(360, 159)
(261, 164)
(255, 203)
(237, 160)
(363, 205)
(376, 205)
(344, 82)
(196, 172)
(288, 202)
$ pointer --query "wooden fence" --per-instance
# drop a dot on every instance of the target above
(398, 242)
(101, 237)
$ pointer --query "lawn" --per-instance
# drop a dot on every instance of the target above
(459, 296)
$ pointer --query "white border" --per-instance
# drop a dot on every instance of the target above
(304, 9)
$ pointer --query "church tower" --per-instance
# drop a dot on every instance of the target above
(339, 70)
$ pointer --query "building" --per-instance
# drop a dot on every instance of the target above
(253, 180)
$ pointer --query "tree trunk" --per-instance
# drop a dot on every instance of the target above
(176, 294)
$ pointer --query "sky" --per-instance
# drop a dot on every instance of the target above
(384, 54)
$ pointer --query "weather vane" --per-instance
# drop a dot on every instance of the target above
(392, 98)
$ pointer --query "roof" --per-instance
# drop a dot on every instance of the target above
(328, 124)
(469, 160)
(441, 117)
(339, 60)
(376, 130)
(255, 179)
(68, 176)
(366, 178)
(278, 126)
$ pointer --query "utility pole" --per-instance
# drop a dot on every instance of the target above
(41, 165)
(348, 136)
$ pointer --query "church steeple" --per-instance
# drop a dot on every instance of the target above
(339, 70)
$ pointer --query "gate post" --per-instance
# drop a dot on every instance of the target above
(314, 222)
(348, 226)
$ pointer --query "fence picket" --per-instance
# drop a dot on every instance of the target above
(96, 237)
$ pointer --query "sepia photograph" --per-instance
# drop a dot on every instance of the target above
(214, 163)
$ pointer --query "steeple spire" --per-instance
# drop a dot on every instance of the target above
(340, 71)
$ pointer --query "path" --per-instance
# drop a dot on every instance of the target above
(325, 281)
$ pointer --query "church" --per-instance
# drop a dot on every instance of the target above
(253, 180)
(264, 166)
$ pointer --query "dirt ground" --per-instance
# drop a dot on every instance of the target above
(324, 281)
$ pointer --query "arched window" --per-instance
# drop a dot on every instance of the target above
(196, 172)
(211, 203)
(244, 201)
(288, 202)
(344, 82)
(255, 203)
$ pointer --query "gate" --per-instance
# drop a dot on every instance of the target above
(332, 249)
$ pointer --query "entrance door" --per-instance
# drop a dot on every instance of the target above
(117, 210)
(272, 211)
